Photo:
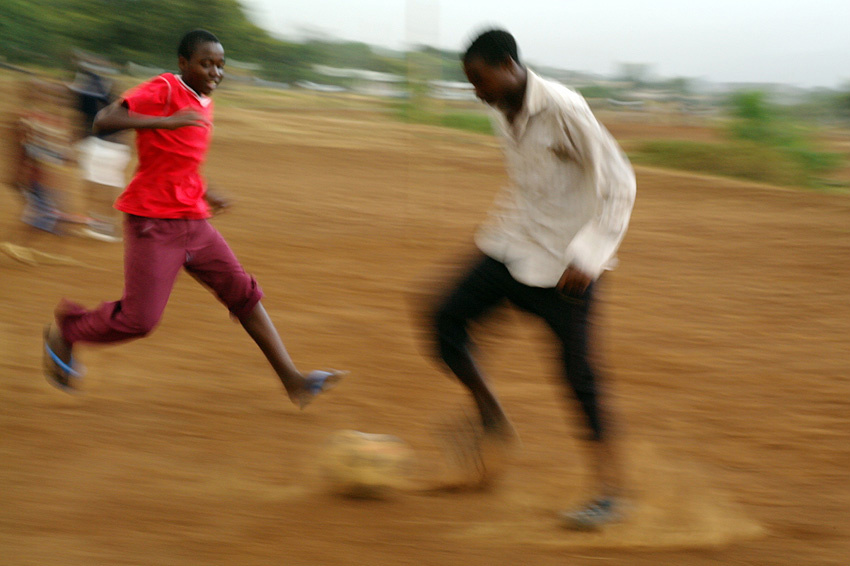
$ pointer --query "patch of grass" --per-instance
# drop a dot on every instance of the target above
(740, 159)
(468, 121)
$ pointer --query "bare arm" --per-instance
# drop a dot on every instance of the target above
(116, 117)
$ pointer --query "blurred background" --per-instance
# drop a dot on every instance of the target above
(769, 79)
(360, 165)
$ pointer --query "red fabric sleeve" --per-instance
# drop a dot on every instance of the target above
(150, 98)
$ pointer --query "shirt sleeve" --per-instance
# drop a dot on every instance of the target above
(150, 98)
(613, 180)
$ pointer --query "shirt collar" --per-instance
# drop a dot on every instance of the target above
(535, 94)
(534, 101)
(204, 100)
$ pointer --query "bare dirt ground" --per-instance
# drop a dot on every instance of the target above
(725, 332)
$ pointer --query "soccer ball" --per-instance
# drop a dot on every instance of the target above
(360, 464)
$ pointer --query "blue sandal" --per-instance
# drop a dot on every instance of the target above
(318, 382)
(59, 373)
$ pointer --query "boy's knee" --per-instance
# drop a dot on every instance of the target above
(241, 296)
(141, 327)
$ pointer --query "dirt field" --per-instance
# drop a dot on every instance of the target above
(725, 332)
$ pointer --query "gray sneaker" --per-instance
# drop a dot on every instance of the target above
(593, 515)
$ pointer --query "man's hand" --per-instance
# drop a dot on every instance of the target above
(574, 282)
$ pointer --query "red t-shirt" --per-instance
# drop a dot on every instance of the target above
(168, 182)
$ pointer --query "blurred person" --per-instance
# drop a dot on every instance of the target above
(103, 156)
(167, 205)
(42, 147)
(44, 137)
(550, 235)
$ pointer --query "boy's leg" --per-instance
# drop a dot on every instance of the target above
(213, 263)
(302, 389)
(477, 292)
(153, 255)
(259, 326)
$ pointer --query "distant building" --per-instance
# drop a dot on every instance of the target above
(451, 90)
(364, 81)
(318, 87)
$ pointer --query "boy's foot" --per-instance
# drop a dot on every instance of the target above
(59, 366)
(593, 515)
(315, 383)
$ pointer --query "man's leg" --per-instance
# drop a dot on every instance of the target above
(569, 318)
(477, 292)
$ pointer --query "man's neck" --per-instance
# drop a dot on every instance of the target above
(512, 104)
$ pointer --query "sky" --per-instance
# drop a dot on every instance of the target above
(804, 43)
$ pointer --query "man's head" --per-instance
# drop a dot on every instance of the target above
(491, 63)
(201, 60)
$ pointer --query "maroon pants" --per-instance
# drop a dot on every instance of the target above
(488, 283)
(154, 251)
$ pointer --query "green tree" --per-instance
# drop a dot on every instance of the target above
(45, 32)
(757, 121)
(754, 120)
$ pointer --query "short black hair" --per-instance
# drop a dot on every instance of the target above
(192, 40)
(493, 46)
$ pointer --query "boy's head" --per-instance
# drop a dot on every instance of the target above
(201, 60)
(491, 63)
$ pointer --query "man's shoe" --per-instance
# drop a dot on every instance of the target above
(593, 515)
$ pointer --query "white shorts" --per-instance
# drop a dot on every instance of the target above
(103, 162)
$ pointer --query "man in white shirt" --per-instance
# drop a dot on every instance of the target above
(550, 235)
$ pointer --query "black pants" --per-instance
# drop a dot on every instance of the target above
(485, 286)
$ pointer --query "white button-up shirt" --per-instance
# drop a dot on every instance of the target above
(571, 193)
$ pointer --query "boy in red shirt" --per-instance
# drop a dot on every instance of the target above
(167, 205)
